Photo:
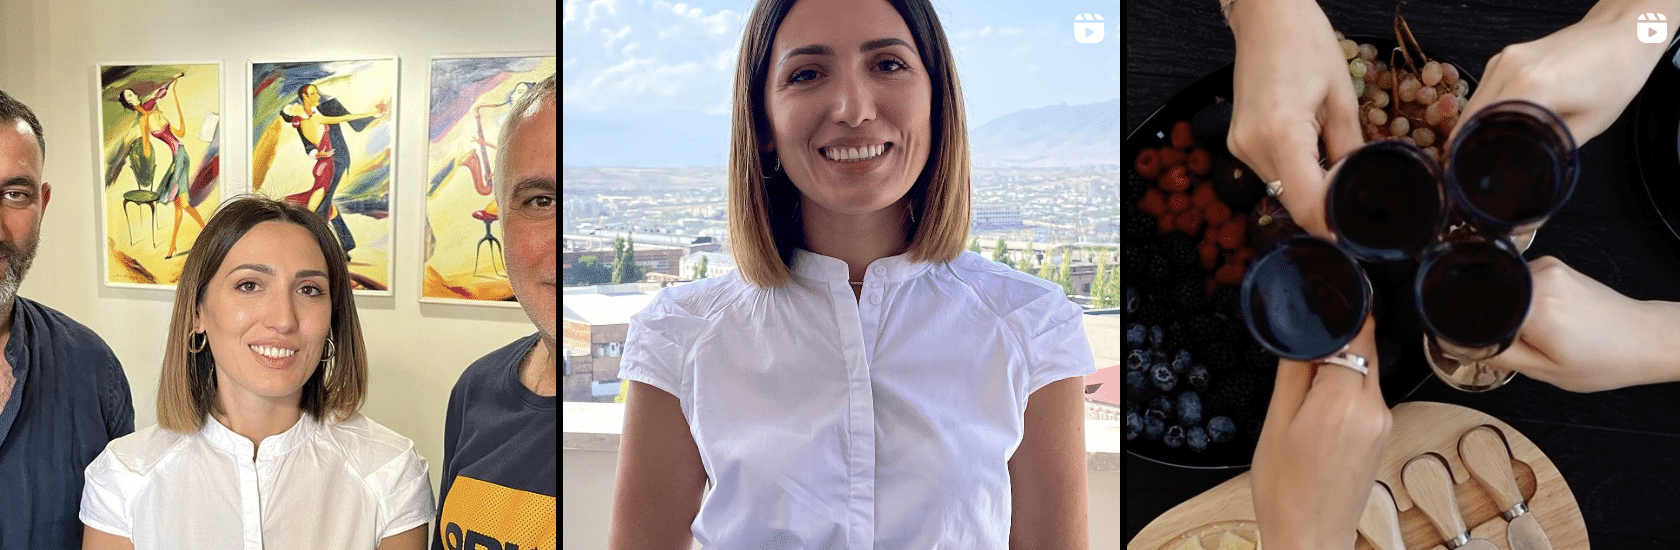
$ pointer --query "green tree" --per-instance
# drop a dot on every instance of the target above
(1064, 276)
(700, 268)
(588, 271)
(1116, 293)
(974, 245)
(1101, 298)
(1027, 258)
(1001, 253)
(619, 274)
(624, 269)
(1044, 267)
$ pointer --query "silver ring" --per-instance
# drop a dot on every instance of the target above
(1351, 360)
(1274, 188)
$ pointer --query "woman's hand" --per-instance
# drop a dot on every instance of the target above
(1291, 86)
(1587, 72)
(1564, 340)
(1317, 457)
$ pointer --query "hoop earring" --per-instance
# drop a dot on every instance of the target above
(910, 207)
(332, 351)
(202, 342)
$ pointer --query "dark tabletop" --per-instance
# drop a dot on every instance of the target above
(1619, 450)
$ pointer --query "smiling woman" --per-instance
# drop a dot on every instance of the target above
(860, 381)
(258, 427)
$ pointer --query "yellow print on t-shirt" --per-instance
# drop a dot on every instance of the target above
(479, 515)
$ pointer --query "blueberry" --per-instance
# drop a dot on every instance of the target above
(1137, 359)
(1181, 362)
(1152, 428)
(1163, 377)
(1136, 335)
(1137, 385)
(1174, 437)
(1157, 335)
(1221, 429)
(1158, 356)
(1198, 377)
(1134, 426)
(1190, 408)
(1197, 438)
(1133, 300)
(1164, 404)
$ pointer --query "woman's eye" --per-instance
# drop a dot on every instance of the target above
(804, 75)
(312, 290)
(891, 65)
(246, 286)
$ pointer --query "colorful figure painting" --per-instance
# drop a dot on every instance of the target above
(322, 136)
(160, 143)
(470, 97)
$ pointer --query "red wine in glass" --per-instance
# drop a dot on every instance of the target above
(1385, 201)
(1511, 166)
(1473, 293)
(1305, 299)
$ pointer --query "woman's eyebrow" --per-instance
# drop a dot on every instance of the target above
(819, 49)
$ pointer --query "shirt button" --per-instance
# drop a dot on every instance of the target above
(879, 271)
(875, 299)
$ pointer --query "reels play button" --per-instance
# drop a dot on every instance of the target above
(1088, 33)
(1652, 28)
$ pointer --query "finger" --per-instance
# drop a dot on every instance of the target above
(1341, 123)
(1486, 93)
(1523, 358)
(1303, 180)
(1339, 379)
(1290, 390)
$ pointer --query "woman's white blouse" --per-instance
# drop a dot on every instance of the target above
(826, 421)
(316, 485)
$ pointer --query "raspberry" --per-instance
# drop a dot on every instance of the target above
(1148, 164)
(1153, 203)
(1171, 156)
(1202, 196)
(1231, 235)
(1175, 180)
(1188, 222)
(1199, 161)
(1181, 137)
(1178, 202)
(1217, 213)
(1229, 274)
(1210, 255)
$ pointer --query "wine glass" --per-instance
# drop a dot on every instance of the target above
(1473, 292)
(1511, 166)
(1305, 299)
(1385, 201)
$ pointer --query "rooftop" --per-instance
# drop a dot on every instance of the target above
(606, 304)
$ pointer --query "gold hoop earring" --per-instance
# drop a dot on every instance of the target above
(202, 342)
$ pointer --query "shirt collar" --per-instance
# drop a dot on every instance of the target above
(891, 269)
(225, 439)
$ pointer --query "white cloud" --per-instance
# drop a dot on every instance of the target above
(651, 55)
(1009, 31)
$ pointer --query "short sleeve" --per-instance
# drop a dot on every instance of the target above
(1057, 348)
(106, 495)
(656, 345)
(404, 492)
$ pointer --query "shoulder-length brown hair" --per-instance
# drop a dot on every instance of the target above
(763, 219)
(187, 389)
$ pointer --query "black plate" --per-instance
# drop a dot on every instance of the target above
(1403, 368)
(1657, 140)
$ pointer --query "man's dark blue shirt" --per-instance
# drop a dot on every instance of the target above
(69, 399)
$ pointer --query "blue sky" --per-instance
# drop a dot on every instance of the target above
(651, 56)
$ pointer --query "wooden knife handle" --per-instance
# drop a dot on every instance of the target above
(1489, 461)
(1430, 484)
(1380, 522)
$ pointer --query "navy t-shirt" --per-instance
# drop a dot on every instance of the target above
(69, 399)
(500, 459)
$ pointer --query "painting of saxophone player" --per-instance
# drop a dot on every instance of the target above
(470, 96)
(322, 137)
(160, 138)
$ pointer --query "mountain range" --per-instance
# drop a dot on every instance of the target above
(1053, 136)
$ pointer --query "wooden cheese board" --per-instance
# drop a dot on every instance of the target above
(1419, 428)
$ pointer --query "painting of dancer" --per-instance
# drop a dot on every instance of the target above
(470, 97)
(323, 137)
(152, 117)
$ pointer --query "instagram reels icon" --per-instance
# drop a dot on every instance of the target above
(1088, 28)
(1652, 28)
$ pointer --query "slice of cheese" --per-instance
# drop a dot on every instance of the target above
(1192, 543)
(1233, 541)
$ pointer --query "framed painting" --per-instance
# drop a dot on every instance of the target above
(469, 100)
(323, 135)
(160, 161)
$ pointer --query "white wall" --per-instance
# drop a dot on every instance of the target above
(48, 51)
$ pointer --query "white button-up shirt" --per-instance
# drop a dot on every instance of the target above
(826, 421)
(316, 485)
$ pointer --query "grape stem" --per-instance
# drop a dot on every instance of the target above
(1408, 42)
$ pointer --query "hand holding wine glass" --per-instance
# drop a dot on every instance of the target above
(1560, 343)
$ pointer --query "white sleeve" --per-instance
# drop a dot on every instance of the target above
(656, 345)
(404, 492)
(1059, 349)
(106, 493)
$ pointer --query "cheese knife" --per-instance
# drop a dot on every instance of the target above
(1380, 522)
(1484, 452)
(1431, 486)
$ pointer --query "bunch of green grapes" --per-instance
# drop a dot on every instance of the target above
(1396, 102)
